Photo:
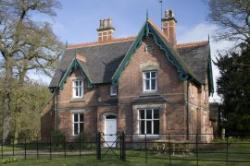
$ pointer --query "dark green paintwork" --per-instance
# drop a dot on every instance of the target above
(210, 74)
(75, 64)
(148, 29)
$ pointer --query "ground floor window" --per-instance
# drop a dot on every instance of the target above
(78, 123)
(149, 121)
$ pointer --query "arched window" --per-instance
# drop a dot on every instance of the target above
(110, 117)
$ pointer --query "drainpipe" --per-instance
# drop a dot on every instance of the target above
(187, 108)
(55, 99)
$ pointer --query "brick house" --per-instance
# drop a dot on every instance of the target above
(143, 85)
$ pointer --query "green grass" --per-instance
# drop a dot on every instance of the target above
(213, 155)
(111, 161)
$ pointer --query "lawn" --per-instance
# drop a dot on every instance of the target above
(109, 161)
(214, 155)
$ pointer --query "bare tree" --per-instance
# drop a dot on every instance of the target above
(231, 16)
(25, 44)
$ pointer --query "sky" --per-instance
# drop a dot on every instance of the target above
(77, 21)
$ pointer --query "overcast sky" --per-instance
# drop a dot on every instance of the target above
(77, 21)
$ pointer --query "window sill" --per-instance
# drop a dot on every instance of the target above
(77, 99)
(75, 136)
(148, 135)
(142, 137)
(149, 93)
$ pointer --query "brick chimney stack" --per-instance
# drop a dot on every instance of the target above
(169, 27)
(105, 30)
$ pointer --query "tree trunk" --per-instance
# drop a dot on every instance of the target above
(6, 119)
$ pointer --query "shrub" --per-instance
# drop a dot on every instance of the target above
(81, 138)
(81, 141)
(57, 138)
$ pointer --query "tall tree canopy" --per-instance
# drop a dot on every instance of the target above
(231, 16)
(25, 44)
(234, 87)
(28, 102)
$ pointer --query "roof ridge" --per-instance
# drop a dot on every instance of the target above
(91, 44)
(192, 44)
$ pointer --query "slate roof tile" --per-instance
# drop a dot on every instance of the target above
(103, 59)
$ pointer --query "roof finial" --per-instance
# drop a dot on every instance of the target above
(147, 15)
(161, 1)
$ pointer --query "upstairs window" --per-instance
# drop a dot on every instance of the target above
(149, 81)
(113, 90)
(78, 88)
(149, 121)
(78, 119)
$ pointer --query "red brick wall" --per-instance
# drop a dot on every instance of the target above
(173, 116)
(169, 30)
(198, 105)
(91, 105)
(47, 119)
(65, 122)
(169, 86)
(65, 98)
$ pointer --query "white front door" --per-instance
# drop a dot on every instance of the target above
(110, 131)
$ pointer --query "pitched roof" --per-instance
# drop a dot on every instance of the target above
(75, 64)
(160, 40)
(103, 59)
(196, 56)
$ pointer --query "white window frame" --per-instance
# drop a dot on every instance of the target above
(113, 90)
(79, 123)
(145, 120)
(150, 81)
(74, 88)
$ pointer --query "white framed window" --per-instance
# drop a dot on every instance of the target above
(149, 121)
(78, 88)
(113, 90)
(149, 81)
(78, 123)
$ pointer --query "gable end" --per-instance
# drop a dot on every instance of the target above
(171, 55)
(75, 64)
